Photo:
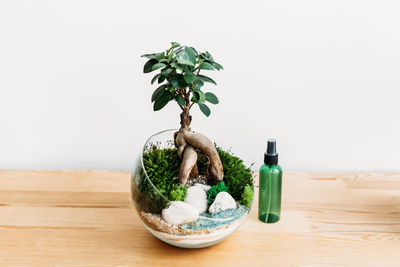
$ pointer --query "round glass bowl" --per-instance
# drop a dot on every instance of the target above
(208, 230)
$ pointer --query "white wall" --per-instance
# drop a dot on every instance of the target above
(322, 77)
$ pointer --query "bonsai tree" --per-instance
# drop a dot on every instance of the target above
(180, 81)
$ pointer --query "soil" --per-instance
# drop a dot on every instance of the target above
(201, 179)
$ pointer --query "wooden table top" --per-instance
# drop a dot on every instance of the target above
(86, 218)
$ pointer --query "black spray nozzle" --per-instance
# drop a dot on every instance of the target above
(271, 147)
(271, 157)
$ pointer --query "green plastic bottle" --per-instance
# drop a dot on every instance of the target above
(270, 190)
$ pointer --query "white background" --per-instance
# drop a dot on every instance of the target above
(322, 77)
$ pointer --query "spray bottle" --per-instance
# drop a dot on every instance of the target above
(270, 190)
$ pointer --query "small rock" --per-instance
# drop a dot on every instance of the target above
(180, 212)
(203, 186)
(223, 201)
(197, 198)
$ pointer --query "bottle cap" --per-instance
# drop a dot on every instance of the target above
(271, 157)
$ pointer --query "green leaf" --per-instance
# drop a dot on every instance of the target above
(195, 97)
(183, 59)
(206, 79)
(210, 97)
(175, 44)
(159, 56)
(148, 55)
(191, 54)
(198, 96)
(161, 79)
(181, 101)
(195, 51)
(202, 96)
(164, 60)
(171, 56)
(148, 67)
(166, 72)
(205, 109)
(208, 56)
(205, 66)
(190, 77)
(158, 66)
(176, 66)
(217, 66)
(156, 56)
(178, 81)
(187, 57)
(179, 50)
(155, 78)
(186, 68)
(162, 101)
(199, 83)
(158, 92)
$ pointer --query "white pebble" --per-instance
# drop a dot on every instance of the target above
(197, 198)
(203, 186)
(223, 201)
(179, 213)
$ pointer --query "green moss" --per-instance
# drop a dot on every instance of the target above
(213, 192)
(162, 167)
(247, 196)
(178, 193)
(236, 174)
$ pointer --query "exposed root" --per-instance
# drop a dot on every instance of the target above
(195, 171)
(199, 141)
(187, 142)
(188, 162)
(180, 143)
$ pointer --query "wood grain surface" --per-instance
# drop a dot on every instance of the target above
(86, 218)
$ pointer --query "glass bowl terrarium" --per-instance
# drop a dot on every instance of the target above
(151, 195)
(188, 191)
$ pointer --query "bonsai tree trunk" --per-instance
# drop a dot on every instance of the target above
(187, 142)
